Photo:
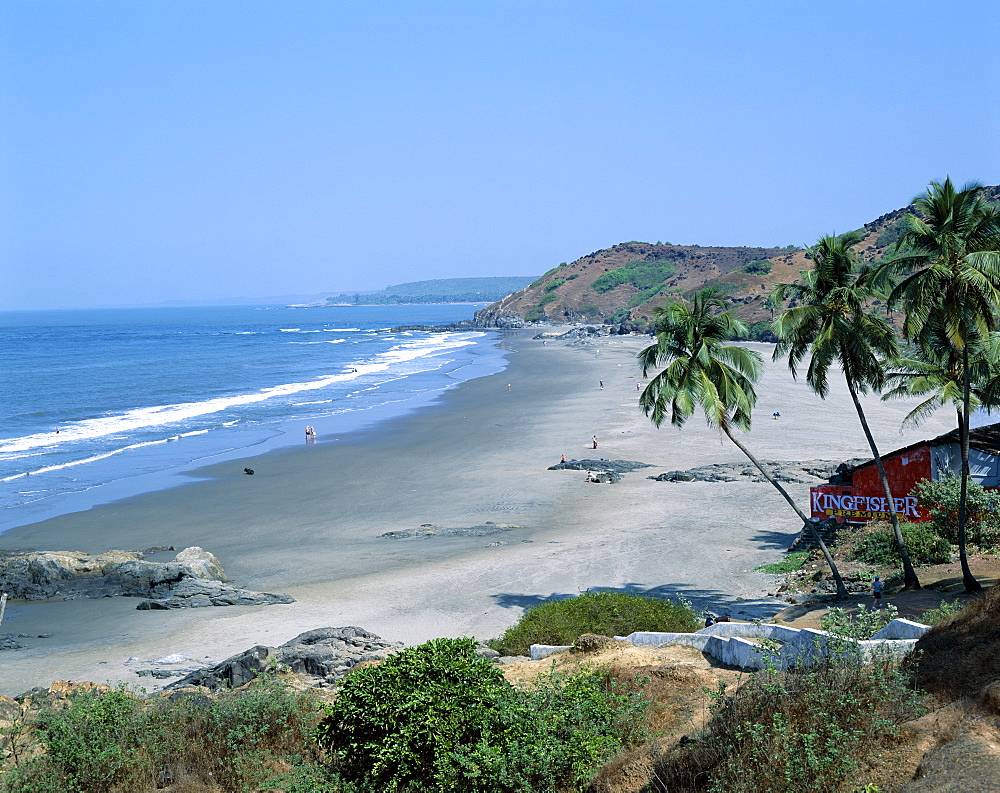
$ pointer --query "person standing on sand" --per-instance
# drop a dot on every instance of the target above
(876, 593)
(595, 441)
(508, 386)
(602, 384)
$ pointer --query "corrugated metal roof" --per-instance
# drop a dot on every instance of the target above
(985, 439)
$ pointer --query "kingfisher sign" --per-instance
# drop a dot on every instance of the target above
(832, 501)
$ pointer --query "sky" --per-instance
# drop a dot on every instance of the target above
(171, 150)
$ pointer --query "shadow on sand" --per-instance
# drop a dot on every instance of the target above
(719, 603)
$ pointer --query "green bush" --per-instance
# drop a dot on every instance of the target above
(941, 498)
(552, 285)
(620, 315)
(534, 315)
(942, 613)
(923, 543)
(862, 625)
(546, 300)
(641, 274)
(571, 277)
(439, 717)
(605, 613)
(757, 267)
(761, 331)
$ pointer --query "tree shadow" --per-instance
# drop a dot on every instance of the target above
(775, 539)
(701, 600)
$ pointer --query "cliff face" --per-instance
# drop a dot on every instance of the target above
(624, 283)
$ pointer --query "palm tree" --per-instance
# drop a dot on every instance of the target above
(701, 370)
(832, 325)
(950, 291)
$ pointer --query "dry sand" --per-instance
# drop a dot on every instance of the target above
(308, 523)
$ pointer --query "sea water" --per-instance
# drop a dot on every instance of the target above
(104, 403)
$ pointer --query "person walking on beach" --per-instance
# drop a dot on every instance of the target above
(876, 593)
(595, 441)
(508, 386)
(602, 384)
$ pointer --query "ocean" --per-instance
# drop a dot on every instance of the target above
(101, 404)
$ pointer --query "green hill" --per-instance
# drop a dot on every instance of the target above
(439, 290)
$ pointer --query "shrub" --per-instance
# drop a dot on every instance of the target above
(817, 729)
(862, 625)
(923, 543)
(554, 284)
(761, 331)
(571, 277)
(757, 267)
(605, 613)
(620, 315)
(643, 296)
(590, 310)
(534, 315)
(941, 497)
(546, 300)
(942, 613)
(102, 741)
(440, 717)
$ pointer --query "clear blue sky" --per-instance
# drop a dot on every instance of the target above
(158, 150)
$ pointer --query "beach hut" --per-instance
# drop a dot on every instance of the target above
(855, 494)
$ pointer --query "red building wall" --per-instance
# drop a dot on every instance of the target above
(865, 500)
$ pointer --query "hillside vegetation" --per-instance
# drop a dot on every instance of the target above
(624, 283)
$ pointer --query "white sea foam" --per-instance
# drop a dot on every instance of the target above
(340, 330)
(146, 417)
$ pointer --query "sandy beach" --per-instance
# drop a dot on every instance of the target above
(309, 522)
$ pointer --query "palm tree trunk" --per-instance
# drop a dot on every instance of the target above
(910, 580)
(841, 589)
(971, 584)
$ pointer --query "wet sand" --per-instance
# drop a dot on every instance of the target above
(308, 523)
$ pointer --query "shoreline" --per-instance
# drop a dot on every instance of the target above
(308, 523)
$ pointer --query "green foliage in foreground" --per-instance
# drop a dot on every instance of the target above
(924, 545)
(113, 740)
(861, 625)
(816, 729)
(604, 613)
(941, 498)
(438, 717)
(942, 613)
(792, 562)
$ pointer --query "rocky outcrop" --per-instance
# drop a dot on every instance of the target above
(808, 472)
(618, 466)
(198, 593)
(325, 655)
(430, 530)
(193, 578)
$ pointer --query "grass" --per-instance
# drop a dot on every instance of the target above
(605, 613)
(792, 562)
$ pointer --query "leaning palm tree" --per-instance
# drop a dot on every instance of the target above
(831, 324)
(951, 289)
(702, 371)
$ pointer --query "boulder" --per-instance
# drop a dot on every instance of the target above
(198, 593)
(323, 654)
(193, 578)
